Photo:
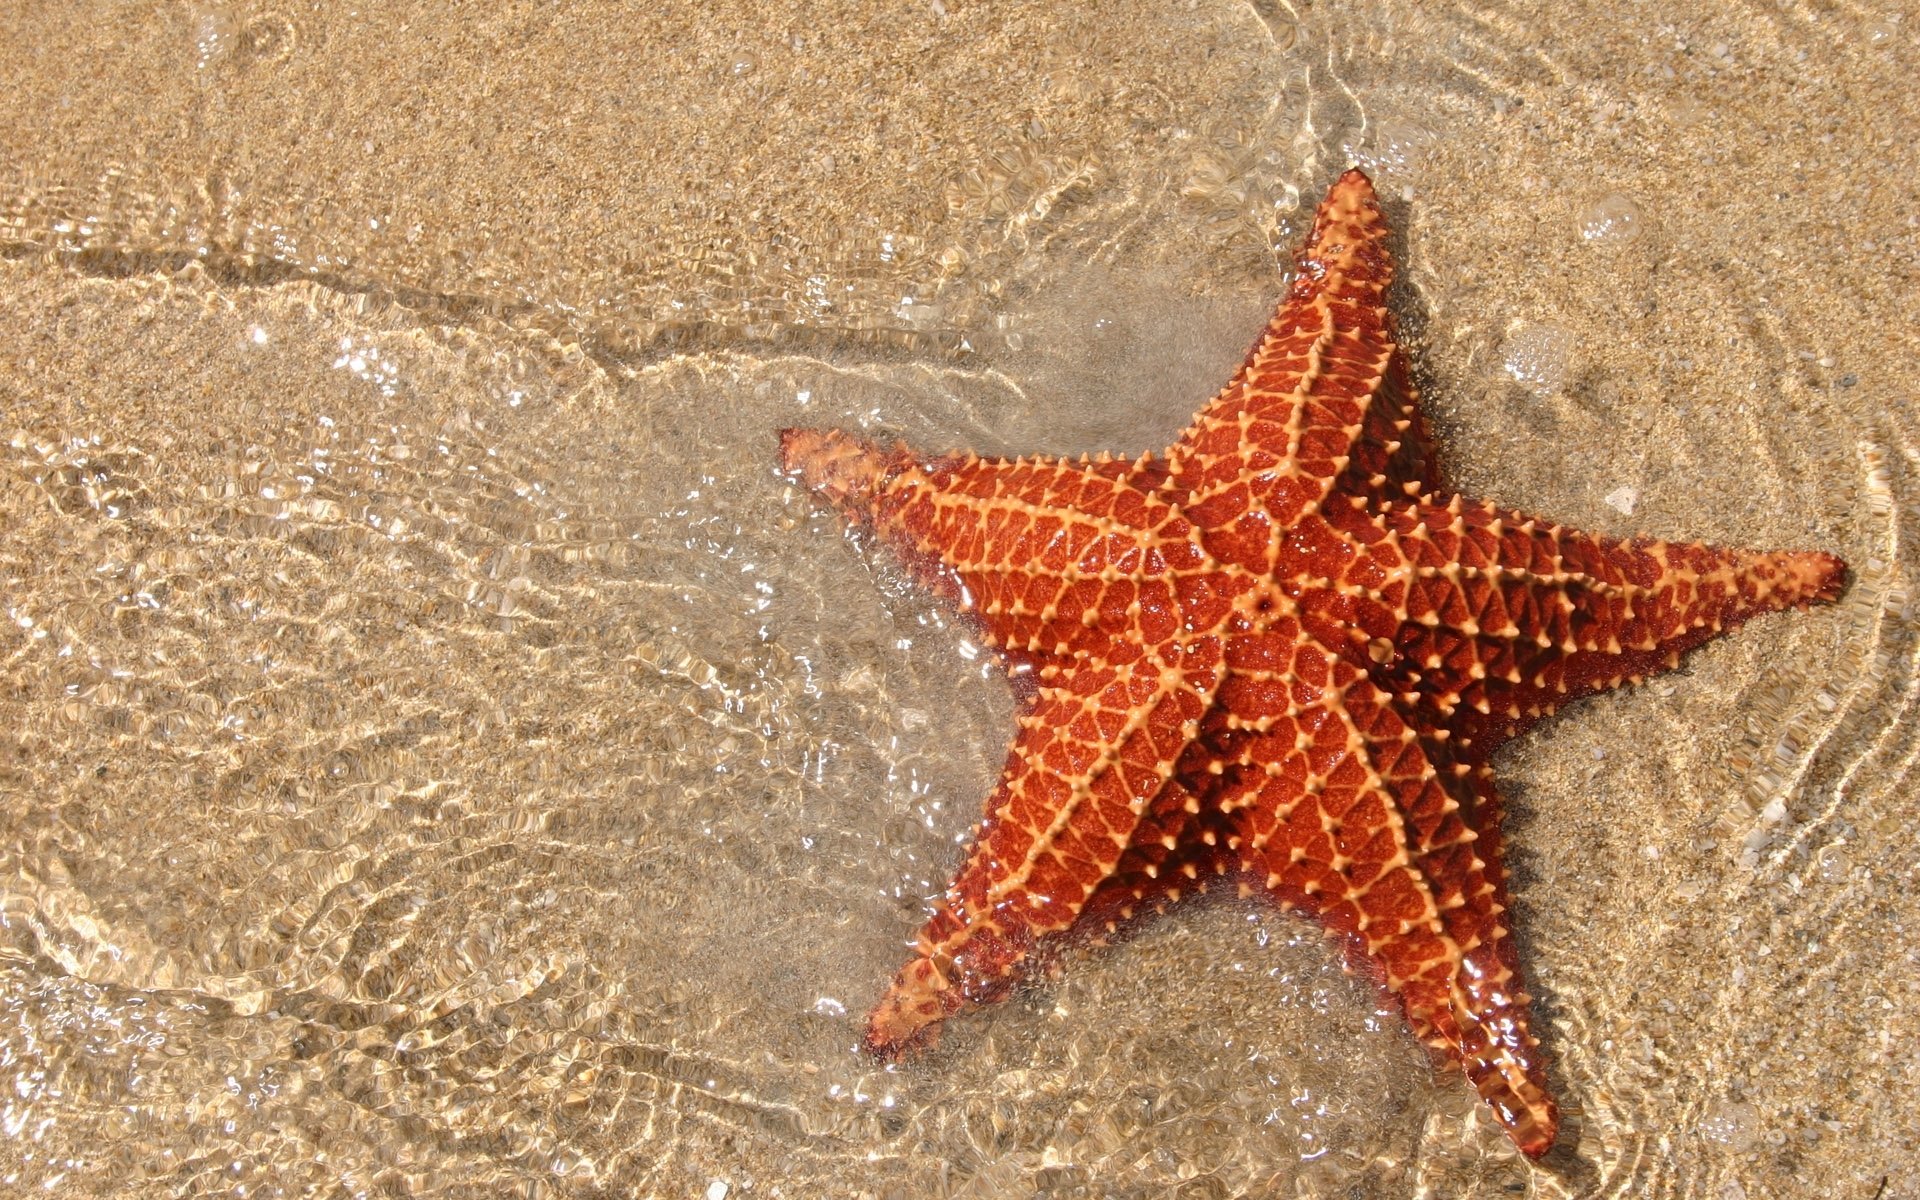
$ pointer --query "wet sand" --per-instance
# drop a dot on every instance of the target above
(440, 755)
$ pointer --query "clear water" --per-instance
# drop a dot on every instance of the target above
(439, 755)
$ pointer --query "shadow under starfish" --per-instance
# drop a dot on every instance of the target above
(1281, 653)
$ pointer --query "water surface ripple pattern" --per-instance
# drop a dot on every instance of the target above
(440, 756)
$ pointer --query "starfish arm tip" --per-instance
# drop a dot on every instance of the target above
(1513, 1085)
(908, 1018)
(1353, 177)
(843, 468)
(1823, 575)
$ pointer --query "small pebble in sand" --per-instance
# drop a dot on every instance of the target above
(1622, 499)
(1612, 220)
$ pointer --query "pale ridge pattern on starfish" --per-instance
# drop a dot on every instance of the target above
(1323, 395)
(1093, 752)
(1069, 804)
(1356, 825)
(1283, 655)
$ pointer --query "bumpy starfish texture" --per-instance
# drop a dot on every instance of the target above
(1281, 654)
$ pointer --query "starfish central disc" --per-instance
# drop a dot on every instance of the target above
(1281, 654)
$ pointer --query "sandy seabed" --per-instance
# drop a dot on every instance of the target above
(439, 755)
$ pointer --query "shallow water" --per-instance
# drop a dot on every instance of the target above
(442, 756)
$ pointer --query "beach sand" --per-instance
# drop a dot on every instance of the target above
(440, 755)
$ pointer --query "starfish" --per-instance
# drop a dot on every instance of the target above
(1282, 655)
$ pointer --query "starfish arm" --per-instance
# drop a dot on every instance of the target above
(1504, 618)
(1051, 558)
(1393, 453)
(1347, 812)
(1095, 750)
(1324, 400)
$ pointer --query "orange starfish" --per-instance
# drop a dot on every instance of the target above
(1281, 653)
